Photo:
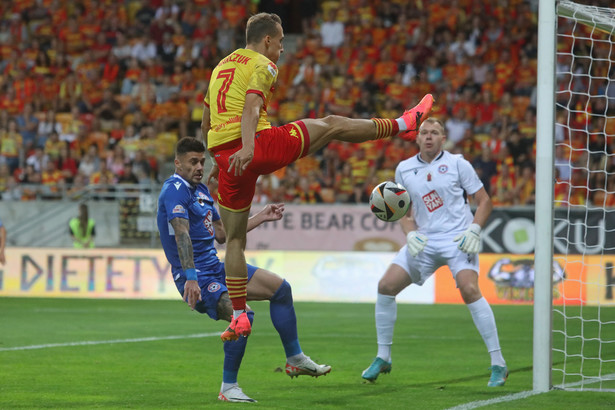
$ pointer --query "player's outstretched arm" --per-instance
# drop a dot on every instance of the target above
(271, 212)
(192, 291)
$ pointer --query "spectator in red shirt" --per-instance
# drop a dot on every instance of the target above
(485, 112)
(159, 28)
(66, 164)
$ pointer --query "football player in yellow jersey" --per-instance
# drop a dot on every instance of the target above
(245, 145)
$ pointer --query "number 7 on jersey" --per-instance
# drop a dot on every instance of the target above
(228, 75)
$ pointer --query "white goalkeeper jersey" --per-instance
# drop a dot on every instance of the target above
(438, 193)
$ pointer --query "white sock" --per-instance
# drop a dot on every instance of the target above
(497, 359)
(485, 323)
(293, 360)
(401, 123)
(236, 313)
(226, 386)
(386, 315)
(384, 352)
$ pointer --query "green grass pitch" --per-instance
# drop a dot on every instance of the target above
(439, 359)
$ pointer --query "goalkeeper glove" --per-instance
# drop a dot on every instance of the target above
(416, 242)
(469, 241)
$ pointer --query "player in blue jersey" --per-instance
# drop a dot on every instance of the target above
(188, 223)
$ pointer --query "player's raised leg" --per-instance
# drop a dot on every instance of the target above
(394, 281)
(267, 285)
(482, 314)
(235, 224)
(334, 127)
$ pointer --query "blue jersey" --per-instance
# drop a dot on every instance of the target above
(179, 199)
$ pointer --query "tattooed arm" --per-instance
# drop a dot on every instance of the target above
(192, 291)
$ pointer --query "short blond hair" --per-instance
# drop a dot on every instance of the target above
(261, 25)
(434, 120)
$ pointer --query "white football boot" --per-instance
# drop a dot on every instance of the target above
(235, 395)
(307, 367)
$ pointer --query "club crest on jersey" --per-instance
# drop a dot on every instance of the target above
(178, 210)
(208, 223)
(443, 169)
(432, 201)
(213, 287)
(273, 70)
(202, 198)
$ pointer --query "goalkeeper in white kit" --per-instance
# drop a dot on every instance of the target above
(440, 230)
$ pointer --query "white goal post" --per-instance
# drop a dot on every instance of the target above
(574, 343)
(543, 254)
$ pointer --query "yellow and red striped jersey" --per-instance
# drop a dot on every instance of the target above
(240, 73)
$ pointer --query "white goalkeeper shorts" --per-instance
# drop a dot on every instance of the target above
(436, 254)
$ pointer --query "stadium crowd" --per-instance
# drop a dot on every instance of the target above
(97, 92)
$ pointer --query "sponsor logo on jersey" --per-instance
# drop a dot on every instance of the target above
(178, 210)
(432, 201)
(208, 222)
(177, 185)
(213, 287)
(234, 119)
(443, 169)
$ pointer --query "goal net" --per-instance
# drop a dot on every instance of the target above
(583, 326)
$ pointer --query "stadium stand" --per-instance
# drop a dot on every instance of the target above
(96, 92)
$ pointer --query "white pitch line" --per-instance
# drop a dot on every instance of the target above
(104, 342)
(526, 394)
(482, 403)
